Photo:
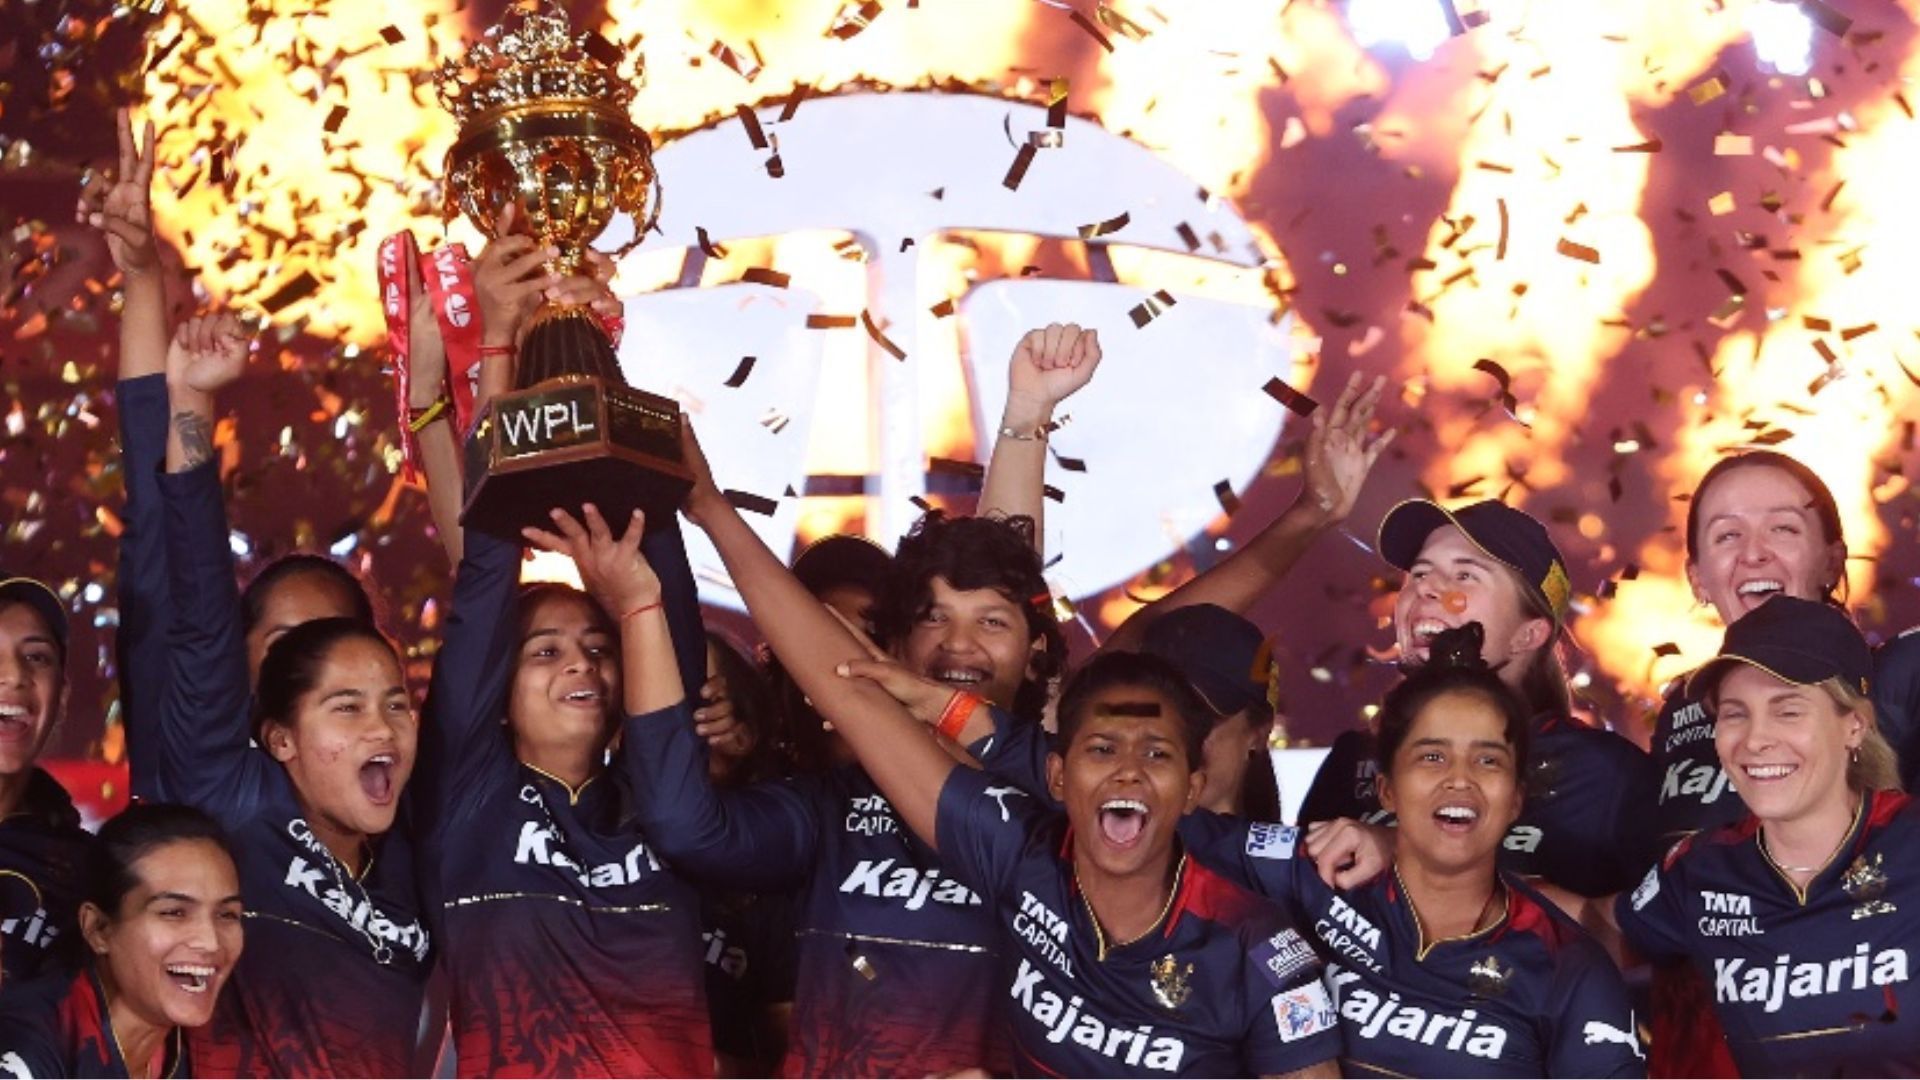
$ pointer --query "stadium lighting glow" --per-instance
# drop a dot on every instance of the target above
(1416, 26)
(1782, 36)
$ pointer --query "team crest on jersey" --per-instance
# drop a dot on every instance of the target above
(1865, 883)
(1489, 977)
(1170, 987)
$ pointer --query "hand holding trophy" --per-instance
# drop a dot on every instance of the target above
(544, 128)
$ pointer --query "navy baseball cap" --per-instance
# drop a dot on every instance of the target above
(40, 596)
(842, 559)
(1802, 642)
(1219, 652)
(1508, 536)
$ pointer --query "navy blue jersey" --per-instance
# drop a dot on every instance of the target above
(61, 1027)
(1224, 986)
(1804, 983)
(1531, 995)
(1588, 821)
(335, 967)
(42, 848)
(750, 956)
(896, 961)
(549, 903)
(1896, 700)
(140, 639)
(1344, 785)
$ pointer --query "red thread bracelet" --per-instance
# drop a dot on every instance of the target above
(641, 610)
(958, 711)
(497, 350)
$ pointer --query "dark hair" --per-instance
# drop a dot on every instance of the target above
(752, 709)
(292, 664)
(1260, 790)
(138, 831)
(1455, 666)
(1824, 506)
(1142, 670)
(253, 599)
(534, 593)
(976, 553)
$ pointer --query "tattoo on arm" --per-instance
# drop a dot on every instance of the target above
(195, 433)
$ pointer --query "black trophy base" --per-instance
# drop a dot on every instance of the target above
(568, 442)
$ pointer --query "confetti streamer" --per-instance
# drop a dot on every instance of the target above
(1229, 502)
(1018, 170)
(881, 339)
(943, 309)
(1578, 251)
(751, 122)
(302, 286)
(707, 246)
(740, 373)
(1093, 31)
(1500, 247)
(734, 61)
(831, 322)
(1296, 402)
(1150, 309)
(748, 503)
(1105, 228)
(852, 19)
(794, 99)
(760, 275)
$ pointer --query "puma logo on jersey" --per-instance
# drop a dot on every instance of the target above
(539, 846)
(1136, 1047)
(880, 877)
(1369, 1016)
(1598, 1032)
(1734, 981)
(1705, 782)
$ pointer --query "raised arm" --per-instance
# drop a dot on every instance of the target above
(1340, 454)
(460, 741)
(204, 757)
(122, 212)
(896, 750)
(1046, 368)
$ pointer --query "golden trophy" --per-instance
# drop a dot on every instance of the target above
(544, 126)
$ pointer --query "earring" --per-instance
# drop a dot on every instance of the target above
(1856, 755)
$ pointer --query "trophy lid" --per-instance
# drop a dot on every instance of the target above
(538, 60)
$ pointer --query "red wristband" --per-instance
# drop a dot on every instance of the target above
(497, 350)
(641, 610)
(958, 711)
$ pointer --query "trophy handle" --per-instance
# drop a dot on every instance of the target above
(655, 193)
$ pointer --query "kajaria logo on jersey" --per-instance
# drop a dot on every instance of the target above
(1772, 987)
(1370, 1016)
(894, 880)
(314, 879)
(1067, 1018)
(539, 845)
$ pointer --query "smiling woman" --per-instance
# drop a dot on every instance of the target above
(161, 923)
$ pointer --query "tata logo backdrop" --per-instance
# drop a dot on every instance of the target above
(1175, 409)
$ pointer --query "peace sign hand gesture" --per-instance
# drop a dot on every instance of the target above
(123, 210)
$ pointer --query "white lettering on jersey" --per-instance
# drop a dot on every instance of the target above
(36, 929)
(999, 795)
(1708, 782)
(1648, 888)
(1266, 840)
(1347, 932)
(1719, 905)
(539, 845)
(1523, 838)
(1597, 1032)
(1368, 1017)
(1734, 981)
(1303, 1011)
(13, 1066)
(730, 959)
(870, 815)
(880, 877)
(1285, 955)
(1138, 1047)
(1038, 926)
(357, 911)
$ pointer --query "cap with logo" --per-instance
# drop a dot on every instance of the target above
(1802, 642)
(842, 559)
(40, 596)
(1510, 537)
(1220, 653)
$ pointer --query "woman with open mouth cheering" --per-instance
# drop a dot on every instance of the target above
(161, 927)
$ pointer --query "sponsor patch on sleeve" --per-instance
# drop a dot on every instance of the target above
(1648, 888)
(1304, 1011)
(1266, 840)
(1284, 956)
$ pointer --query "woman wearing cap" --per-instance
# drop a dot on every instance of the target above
(1761, 524)
(1587, 824)
(41, 842)
(1803, 917)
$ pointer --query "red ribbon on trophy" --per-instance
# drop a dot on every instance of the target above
(449, 280)
(399, 263)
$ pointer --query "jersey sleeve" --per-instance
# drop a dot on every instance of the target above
(985, 825)
(762, 836)
(1292, 1023)
(1652, 917)
(1637, 840)
(1259, 856)
(1592, 1031)
(1896, 700)
(204, 754)
(665, 550)
(461, 746)
(1015, 751)
(28, 1055)
(140, 640)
